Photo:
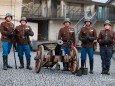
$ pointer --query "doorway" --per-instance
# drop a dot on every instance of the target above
(42, 30)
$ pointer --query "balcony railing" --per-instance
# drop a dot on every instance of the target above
(80, 23)
(110, 17)
(39, 12)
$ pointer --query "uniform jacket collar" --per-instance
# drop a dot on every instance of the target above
(107, 29)
(67, 27)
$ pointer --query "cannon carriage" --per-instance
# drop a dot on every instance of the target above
(48, 54)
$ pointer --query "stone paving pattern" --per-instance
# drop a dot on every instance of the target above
(51, 77)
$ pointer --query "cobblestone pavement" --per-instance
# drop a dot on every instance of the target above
(51, 77)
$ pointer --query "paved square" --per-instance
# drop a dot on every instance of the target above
(50, 77)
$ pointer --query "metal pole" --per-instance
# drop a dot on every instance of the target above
(14, 12)
(33, 9)
(11, 6)
(13, 40)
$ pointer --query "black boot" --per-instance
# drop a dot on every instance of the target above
(107, 70)
(82, 66)
(8, 66)
(67, 66)
(21, 64)
(64, 65)
(103, 71)
(91, 67)
(28, 64)
(82, 63)
(4, 63)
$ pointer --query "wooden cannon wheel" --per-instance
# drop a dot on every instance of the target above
(40, 55)
(74, 60)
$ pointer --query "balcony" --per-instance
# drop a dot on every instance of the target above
(36, 12)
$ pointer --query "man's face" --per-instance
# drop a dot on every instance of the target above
(67, 23)
(107, 26)
(88, 23)
(23, 22)
(8, 18)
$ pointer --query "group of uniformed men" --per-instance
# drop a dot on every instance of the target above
(20, 37)
(87, 36)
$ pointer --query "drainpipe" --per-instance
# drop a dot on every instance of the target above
(62, 7)
(64, 11)
(33, 9)
(49, 7)
(43, 6)
(106, 13)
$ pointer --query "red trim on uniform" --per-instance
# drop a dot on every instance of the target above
(99, 41)
(107, 29)
(113, 41)
(67, 27)
(74, 44)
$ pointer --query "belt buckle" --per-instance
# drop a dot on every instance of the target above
(23, 37)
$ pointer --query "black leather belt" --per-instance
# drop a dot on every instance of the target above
(106, 45)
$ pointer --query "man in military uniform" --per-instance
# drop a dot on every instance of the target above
(87, 36)
(67, 35)
(23, 31)
(7, 28)
(106, 39)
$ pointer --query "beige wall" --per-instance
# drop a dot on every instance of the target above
(113, 3)
(98, 26)
(10, 6)
(113, 26)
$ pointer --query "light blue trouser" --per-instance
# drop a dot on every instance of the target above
(6, 46)
(85, 51)
(23, 49)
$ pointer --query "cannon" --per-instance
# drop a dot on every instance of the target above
(48, 56)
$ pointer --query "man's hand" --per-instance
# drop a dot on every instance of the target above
(110, 41)
(74, 44)
(104, 41)
(85, 39)
(28, 33)
(91, 39)
(10, 34)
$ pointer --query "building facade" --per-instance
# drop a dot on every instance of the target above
(46, 16)
(49, 15)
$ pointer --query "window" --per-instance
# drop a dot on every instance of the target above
(101, 13)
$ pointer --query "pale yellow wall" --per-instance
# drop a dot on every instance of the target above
(53, 29)
(11, 6)
(113, 3)
(98, 27)
(113, 26)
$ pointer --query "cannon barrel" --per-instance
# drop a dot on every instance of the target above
(58, 47)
